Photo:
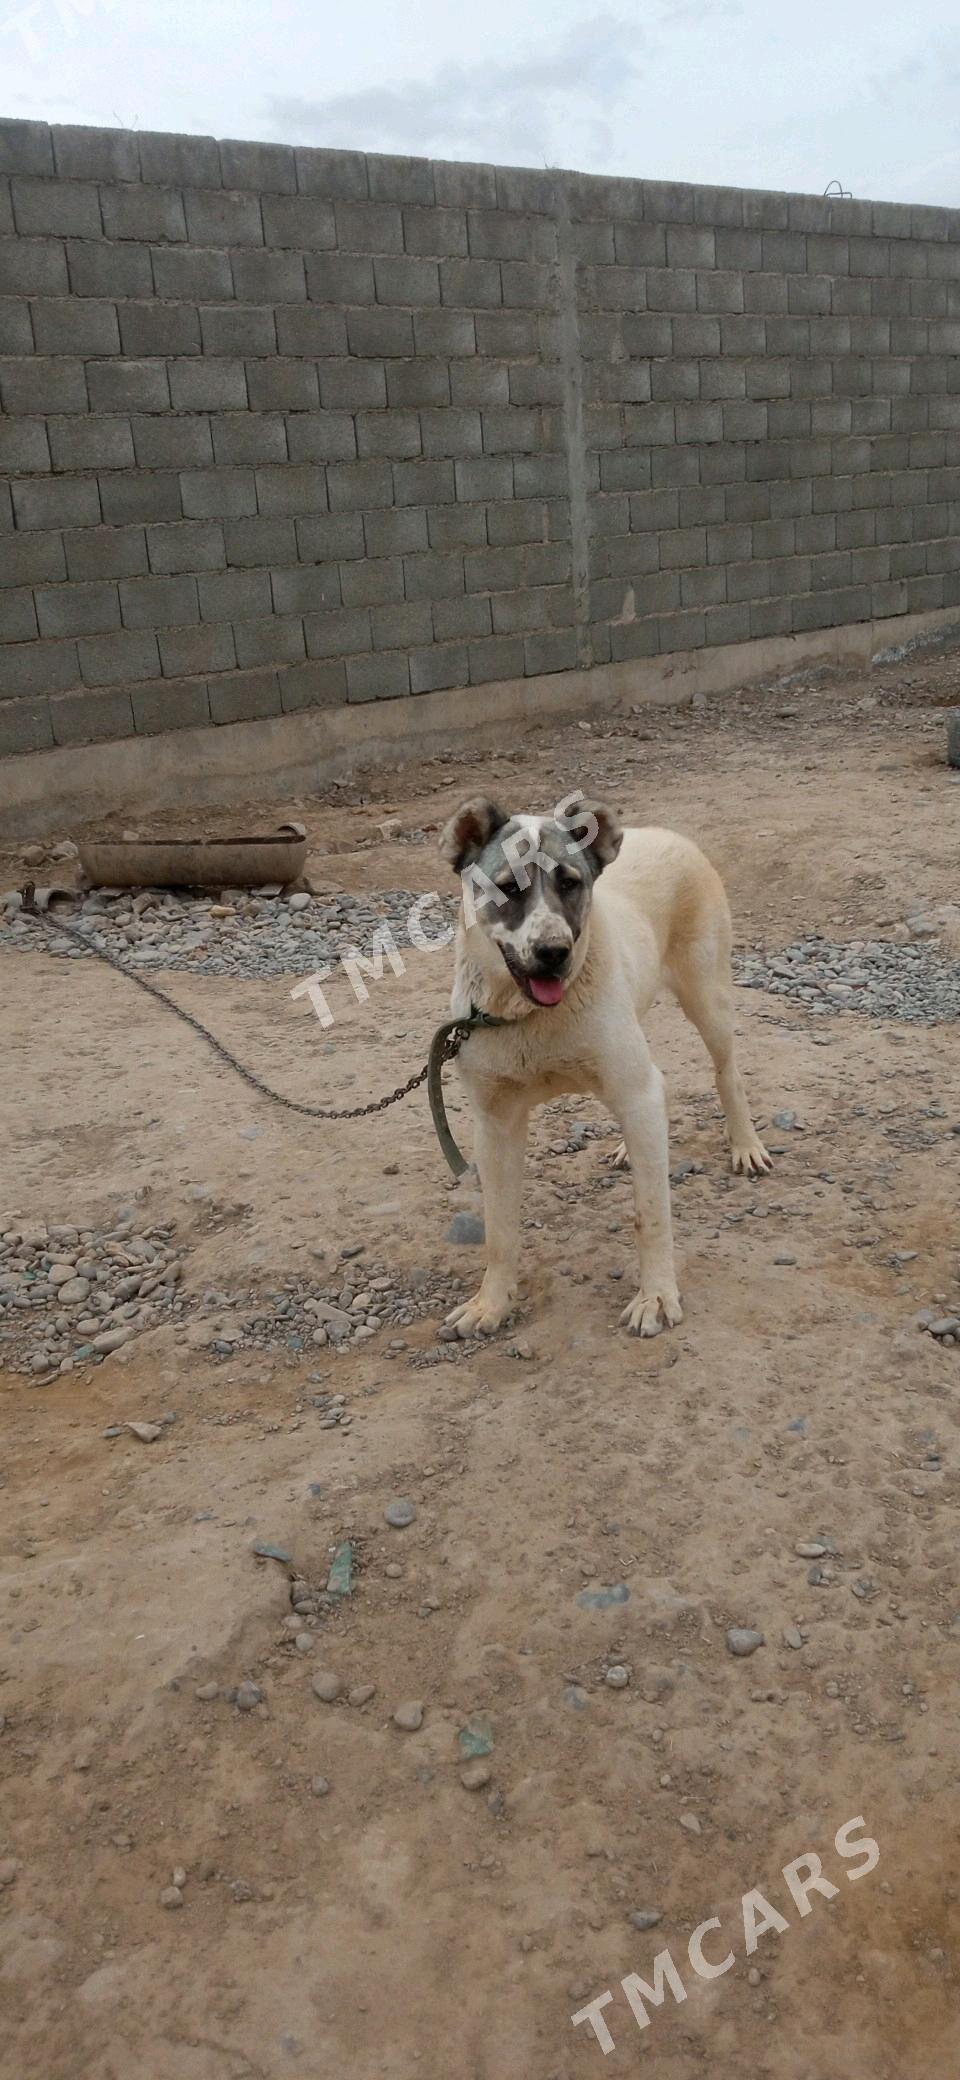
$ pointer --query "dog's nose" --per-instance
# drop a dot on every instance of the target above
(551, 958)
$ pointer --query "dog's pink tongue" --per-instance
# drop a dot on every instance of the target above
(547, 991)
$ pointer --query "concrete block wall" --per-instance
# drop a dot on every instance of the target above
(284, 428)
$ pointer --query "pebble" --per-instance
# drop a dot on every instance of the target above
(742, 1641)
(690, 1822)
(361, 1694)
(146, 1432)
(326, 1685)
(810, 1549)
(466, 1227)
(913, 983)
(409, 1716)
(644, 1918)
(8, 1871)
(754, 1977)
(617, 1677)
(399, 1514)
(171, 1896)
(320, 1786)
(248, 1695)
(475, 1776)
(394, 1570)
(793, 1637)
(207, 1692)
(304, 1642)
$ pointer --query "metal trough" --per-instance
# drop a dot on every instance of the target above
(194, 862)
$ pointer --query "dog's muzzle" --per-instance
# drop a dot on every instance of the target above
(543, 981)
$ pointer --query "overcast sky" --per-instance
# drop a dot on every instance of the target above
(757, 93)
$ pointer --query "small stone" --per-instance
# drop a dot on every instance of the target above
(690, 1822)
(409, 1716)
(617, 1677)
(299, 902)
(8, 1871)
(945, 1325)
(248, 1696)
(74, 1291)
(320, 1786)
(399, 1514)
(361, 1694)
(394, 1570)
(753, 1976)
(266, 1550)
(475, 1776)
(793, 1637)
(171, 1897)
(326, 1685)
(304, 1642)
(466, 1227)
(742, 1641)
(786, 1121)
(146, 1432)
(178, 1877)
(644, 1918)
(112, 1339)
(784, 1259)
(207, 1692)
(810, 1549)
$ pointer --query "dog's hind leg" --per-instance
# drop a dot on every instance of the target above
(633, 1088)
(500, 1136)
(699, 973)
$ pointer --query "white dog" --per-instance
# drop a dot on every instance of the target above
(567, 927)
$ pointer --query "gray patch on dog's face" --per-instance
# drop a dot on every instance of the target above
(546, 881)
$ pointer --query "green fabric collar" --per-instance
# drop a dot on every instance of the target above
(444, 1047)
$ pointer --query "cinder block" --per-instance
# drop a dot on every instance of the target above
(426, 483)
(352, 386)
(684, 631)
(25, 147)
(186, 545)
(18, 615)
(90, 718)
(678, 466)
(168, 159)
(205, 647)
(331, 437)
(77, 610)
(386, 433)
(233, 596)
(307, 588)
(445, 332)
(158, 328)
(451, 432)
(456, 618)
(265, 168)
(368, 227)
(533, 476)
(32, 559)
(512, 430)
(154, 214)
(217, 494)
(111, 659)
(141, 495)
(522, 613)
(282, 384)
(16, 331)
(769, 617)
(94, 442)
(433, 577)
(766, 292)
(496, 235)
(312, 685)
(438, 666)
(341, 279)
(402, 280)
(244, 695)
(75, 326)
(379, 678)
(462, 186)
(208, 385)
(552, 650)
(629, 640)
(337, 174)
(191, 274)
(303, 329)
(526, 285)
(648, 335)
(395, 532)
(495, 570)
(37, 668)
(109, 270)
(32, 267)
(495, 657)
(391, 178)
(260, 277)
(330, 538)
(124, 386)
(82, 153)
(526, 188)
(380, 332)
(172, 441)
(259, 541)
(671, 289)
(235, 328)
(217, 217)
(471, 284)
(436, 232)
(23, 445)
(371, 582)
(305, 222)
(56, 209)
(158, 602)
(169, 704)
(294, 488)
(458, 527)
(640, 245)
(419, 382)
(54, 502)
(399, 626)
(24, 726)
(594, 244)
(532, 384)
(338, 634)
(278, 639)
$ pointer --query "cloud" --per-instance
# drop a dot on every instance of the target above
(542, 108)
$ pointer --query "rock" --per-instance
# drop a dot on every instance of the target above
(690, 1822)
(617, 1677)
(112, 1339)
(74, 1291)
(320, 1786)
(304, 1642)
(248, 1696)
(146, 1432)
(326, 1685)
(340, 1577)
(742, 1641)
(171, 1897)
(267, 1551)
(178, 1876)
(793, 1637)
(399, 1514)
(299, 902)
(8, 1871)
(409, 1716)
(945, 1325)
(475, 1776)
(786, 1121)
(475, 1739)
(361, 1694)
(466, 1227)
(644, 1918)
(603, 1599)
(810, 1549)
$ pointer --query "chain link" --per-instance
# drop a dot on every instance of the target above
(60, 929)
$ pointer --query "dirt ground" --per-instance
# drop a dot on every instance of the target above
(403, 1925)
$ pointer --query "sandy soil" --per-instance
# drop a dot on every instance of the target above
(403, 1925)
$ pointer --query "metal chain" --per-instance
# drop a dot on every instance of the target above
(59, 929)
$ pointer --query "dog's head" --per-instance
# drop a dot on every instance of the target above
(527, 883)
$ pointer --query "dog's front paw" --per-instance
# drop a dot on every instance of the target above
(481, 1315)
(749, 1158)
(653, 1311)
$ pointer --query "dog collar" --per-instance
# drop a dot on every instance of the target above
(444, 1047)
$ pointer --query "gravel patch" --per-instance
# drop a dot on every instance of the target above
(873, 976)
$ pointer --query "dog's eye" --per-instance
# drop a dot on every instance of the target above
(567, 881)
(507, 886)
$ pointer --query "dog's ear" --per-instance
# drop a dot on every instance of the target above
(464, 837)
(598, 832)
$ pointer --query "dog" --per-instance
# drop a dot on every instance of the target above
(567, 926)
